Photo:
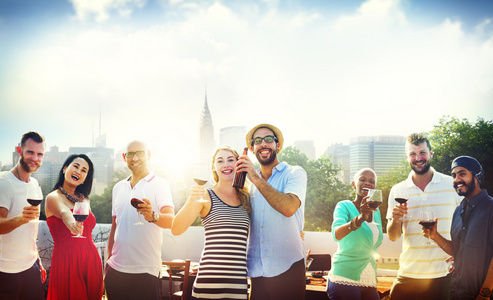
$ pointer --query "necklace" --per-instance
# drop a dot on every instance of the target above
(70, 197)
(18, 175)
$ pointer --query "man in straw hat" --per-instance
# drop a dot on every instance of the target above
(275, 250)
(472, 234)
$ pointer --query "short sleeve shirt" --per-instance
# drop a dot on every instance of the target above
(18, 250)
(275, 242)
(137, 248)
(417, 259)
(472, 241)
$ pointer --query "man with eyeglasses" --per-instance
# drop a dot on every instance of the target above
(276, 252)
(134, 250)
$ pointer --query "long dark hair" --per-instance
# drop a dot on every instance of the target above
(85, 188)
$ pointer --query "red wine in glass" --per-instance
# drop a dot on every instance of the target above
(427, 220)
(80, 218)
(81, 212)
(34, 196)
(34, 202)
(200, 181)
(375, 204)
(135, 203)
(401, 200)
(427, 223)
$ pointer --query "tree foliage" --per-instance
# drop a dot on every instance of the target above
(453, 137)
(101, 204)
(324, 188)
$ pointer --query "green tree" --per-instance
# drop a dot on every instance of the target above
(386, 182)
(324, 188)
(454, 137)
(101, 204)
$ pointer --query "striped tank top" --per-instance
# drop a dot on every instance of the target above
(223, 271)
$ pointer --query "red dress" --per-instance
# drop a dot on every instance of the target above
(76, 268)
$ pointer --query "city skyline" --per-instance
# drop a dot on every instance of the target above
(323, 71)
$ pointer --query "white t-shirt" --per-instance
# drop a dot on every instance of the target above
(417, 259)
(18, 250)
(137, 248)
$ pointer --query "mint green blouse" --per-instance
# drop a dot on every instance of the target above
(356, 249)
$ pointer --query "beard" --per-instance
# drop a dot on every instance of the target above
(26, 167)
(267, 161)
(426, 168)
(470, 187)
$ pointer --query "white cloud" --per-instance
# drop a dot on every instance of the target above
(372, 72)
(100, 9)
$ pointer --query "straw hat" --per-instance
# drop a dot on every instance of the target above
(274, 129)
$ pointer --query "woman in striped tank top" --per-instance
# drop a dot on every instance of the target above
(225, 215)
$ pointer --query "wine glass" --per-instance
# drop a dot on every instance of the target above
(402, 197)
(376, 197)
(427, 221)
(201, 181)
(81, 212)
(34, 196)
(135, 200)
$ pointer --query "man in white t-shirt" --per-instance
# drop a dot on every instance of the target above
(423, 272)
(134, 263)
(21, 273)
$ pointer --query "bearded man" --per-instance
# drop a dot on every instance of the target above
(21, 273)
(472, 234)
(276, 252)
(423, 270)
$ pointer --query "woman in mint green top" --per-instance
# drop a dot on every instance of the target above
(357, 228)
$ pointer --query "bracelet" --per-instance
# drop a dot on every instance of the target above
(446, 243)
(354, 220)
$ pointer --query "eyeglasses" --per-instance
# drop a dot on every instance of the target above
(138, 153)
(268, 139)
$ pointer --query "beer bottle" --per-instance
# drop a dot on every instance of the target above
(239, 178)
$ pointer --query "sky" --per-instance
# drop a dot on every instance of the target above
(325, 71)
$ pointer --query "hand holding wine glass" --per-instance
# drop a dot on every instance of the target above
(201, 182)
(428, 221)
(402, 197)
(34, 197)
(81, 212)
(135, 200)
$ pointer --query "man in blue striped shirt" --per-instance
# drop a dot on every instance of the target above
(275, 250)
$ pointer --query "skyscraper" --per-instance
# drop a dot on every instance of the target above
(340, 156)
(307, 147)
(381, 153)
(206, 134)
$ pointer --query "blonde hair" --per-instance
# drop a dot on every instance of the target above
(244, 193)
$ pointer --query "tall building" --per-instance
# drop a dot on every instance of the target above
(380, 153)
(206, 134)
(101, 157)
(233, 136)
(307, 147)
(104, 165)
(340, 156)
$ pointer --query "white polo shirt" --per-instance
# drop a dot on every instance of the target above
(417, 259)
(18, 250)
(137, 248)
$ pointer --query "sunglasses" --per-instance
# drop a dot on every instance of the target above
(268, 139)
(132, 154)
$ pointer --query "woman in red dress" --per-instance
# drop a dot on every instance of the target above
(76, 269)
